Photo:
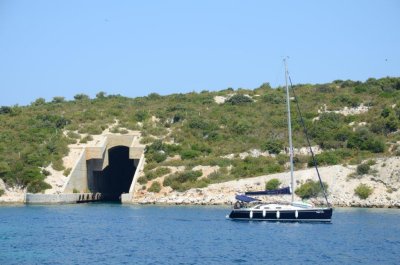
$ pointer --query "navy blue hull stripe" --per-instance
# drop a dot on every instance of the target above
(303, 215)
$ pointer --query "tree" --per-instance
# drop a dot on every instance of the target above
(153, 96)
(81, 97)
(39, 102)
(58, 99)
(265, 86)
(363, 139)
(5, 110)
(101, 95)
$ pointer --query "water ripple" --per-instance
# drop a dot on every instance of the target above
(119, 234)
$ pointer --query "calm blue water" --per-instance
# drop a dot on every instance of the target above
(119, 234)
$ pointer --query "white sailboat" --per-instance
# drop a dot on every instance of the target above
(250, 208)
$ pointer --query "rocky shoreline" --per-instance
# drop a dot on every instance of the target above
(187, 199)
(385, 181)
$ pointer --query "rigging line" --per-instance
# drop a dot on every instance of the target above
(308, 141)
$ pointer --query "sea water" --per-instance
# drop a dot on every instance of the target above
(120, 234)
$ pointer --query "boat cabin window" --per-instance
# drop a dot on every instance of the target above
(278, 207)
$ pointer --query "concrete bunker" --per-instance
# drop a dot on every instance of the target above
(116, 178)
(107, 169)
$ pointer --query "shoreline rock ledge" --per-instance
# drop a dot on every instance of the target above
(386, 188)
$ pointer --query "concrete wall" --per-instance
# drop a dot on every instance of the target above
(78, 177)
(139, 167)
(51, 198)
(128, 197)
(67, 198)
(96, 158)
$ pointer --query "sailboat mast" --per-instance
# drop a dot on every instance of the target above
(289, 130)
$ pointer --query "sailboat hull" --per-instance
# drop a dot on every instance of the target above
(304, 215)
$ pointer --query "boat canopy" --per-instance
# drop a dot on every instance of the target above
(244, 198)
(269, 192)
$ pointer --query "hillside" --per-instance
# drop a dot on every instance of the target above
(233, 134)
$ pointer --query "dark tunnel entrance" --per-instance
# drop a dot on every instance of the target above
(114, 179)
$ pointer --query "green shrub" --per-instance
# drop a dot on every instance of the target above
(45, 172)
(218, 176)
(197, 123)
(1, 192)
(363, 169)
(310, 189)
(39, 102)
(67, 172)
(251, 167)
(141, 115)
(364, 140)
(58, 100)
(240, 128)
(239, 99)
(325, 158)
(190, 154)
(158, 157)
(86, 139)
(74, 190)
(38, 186)
(146, 139)
(101, 95)
(273, 146)
(142, 180)
(274, 98)
(272, 184)
(155, 187)
(81, 97)
(157, 145)
(58, 165)
(73, 135)
(182, 181)
(363, 191)
(161, 171)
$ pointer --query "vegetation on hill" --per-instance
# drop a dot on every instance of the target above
(272, 184)
(200, 131)
(363, 191)
(310, 189)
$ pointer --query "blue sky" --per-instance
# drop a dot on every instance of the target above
(133, 48)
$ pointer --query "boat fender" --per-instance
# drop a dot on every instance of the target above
(251, 214)
(278, 214)
(296, 214)
(264, 213)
